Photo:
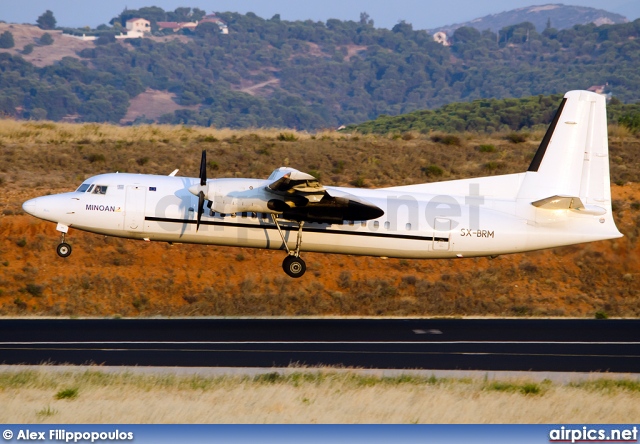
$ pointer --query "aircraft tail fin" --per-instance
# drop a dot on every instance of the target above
(572, 161)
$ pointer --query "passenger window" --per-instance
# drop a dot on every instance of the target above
(100, 189)
(408, 227)
(387, 225)
(82, 188)
(376, 224)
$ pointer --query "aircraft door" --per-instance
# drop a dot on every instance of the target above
(134, 208)
(441, 234)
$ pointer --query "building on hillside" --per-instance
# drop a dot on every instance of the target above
(177, 26)
(600, 89)
(441, 37)
(212, 18)
(136, 28)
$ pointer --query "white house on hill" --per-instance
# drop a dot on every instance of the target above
(136, 28)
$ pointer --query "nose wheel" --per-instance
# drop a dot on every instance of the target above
(293, 264)
(63, 249)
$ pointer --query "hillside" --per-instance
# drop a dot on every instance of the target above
(110, 276)
(558, 16)
(490, 115)
(310, 75)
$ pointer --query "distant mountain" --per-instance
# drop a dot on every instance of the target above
(560, 16)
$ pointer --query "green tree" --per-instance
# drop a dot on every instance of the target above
(46, 20)
(6, 40)
(46, 39)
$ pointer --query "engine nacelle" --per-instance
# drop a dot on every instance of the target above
(229, 196)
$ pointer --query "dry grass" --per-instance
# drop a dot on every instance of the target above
(324, 396)
(17, 131)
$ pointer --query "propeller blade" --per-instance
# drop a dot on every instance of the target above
(203, 168)
(200, 208)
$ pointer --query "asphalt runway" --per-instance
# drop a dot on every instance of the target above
(438, 344)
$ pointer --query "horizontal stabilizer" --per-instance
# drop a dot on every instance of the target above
(559, 203)
(568, 203)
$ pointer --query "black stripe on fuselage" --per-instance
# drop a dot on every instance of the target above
(306, 229)
(537, 159)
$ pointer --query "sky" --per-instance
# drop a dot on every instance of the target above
(422, 14)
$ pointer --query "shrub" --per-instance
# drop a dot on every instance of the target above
(432, 170)
(28, 49)
(287, 137)
(46, 39)
(6, 40)
(487, 148)
(96, 158)
(34, 290)
(446, 139)
(70, 393)
(515, 138)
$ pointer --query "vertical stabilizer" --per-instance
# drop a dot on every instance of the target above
(573, 157)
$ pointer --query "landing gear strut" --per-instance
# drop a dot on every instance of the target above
(63, 249)
(293, 264)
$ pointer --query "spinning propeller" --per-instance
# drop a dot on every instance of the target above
(200, 190)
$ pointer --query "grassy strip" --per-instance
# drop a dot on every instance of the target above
(94, 396)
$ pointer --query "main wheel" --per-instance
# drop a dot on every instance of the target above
(64, 250)
(294, 266)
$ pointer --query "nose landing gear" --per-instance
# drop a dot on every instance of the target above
(293, 264)
(63, 249)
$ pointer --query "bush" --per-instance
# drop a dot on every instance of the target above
(516, 138)
(432, 171)
(6, 40)
(35, 290)
(96, 158)
(287, 137)
(28, 49)
(446, 139)
(70, 393)
(46, 39)
(601, 315)
(488, 148)
(105, 39)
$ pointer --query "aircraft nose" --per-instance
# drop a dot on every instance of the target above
(30, 206)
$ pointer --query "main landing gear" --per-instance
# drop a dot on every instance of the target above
(293, 264)
(63, 249)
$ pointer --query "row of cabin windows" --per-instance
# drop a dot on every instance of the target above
(376, 224)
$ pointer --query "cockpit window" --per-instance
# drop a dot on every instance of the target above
(100, 189)
(90, 188)
(82, 188)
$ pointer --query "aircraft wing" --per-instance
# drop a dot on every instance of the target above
(296, 184)
(300, 196)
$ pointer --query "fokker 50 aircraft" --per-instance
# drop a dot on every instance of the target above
(563, 198)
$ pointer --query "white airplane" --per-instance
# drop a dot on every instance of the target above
(563, 198)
